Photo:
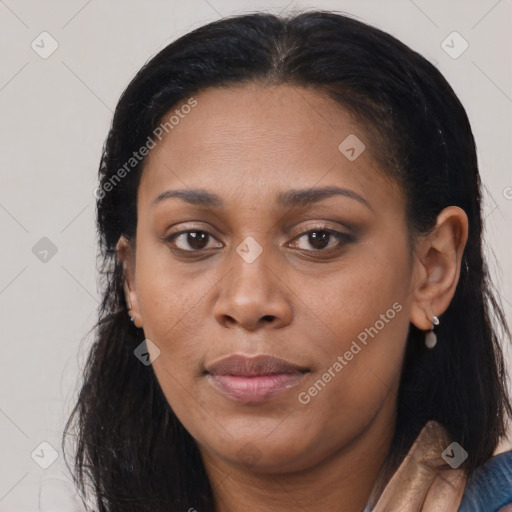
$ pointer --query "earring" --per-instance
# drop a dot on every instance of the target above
(131, 319)
(430, 336)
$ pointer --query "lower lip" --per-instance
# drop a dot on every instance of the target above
(254, 389)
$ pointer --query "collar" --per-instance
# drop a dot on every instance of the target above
(424, 480)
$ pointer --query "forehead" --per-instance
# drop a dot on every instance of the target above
(253, 142)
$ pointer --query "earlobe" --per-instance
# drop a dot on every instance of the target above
(131, 301)
(422, 315)
(438, 262)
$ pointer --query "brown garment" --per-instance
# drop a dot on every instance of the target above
(423, 481)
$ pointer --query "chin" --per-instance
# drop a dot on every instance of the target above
(280, 453)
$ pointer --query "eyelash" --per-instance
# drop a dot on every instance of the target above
(342, 238)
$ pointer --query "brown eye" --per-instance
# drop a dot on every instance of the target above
(321, 239)
(192, 240)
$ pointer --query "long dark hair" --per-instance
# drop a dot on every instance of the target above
(131, 451)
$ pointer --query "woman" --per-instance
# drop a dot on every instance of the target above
(296, 310)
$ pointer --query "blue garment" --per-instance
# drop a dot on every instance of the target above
(490, 485)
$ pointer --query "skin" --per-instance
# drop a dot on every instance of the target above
(296, 300)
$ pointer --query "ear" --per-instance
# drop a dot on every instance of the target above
(437, 263)
(126, 255)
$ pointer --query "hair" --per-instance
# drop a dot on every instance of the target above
(131, 450)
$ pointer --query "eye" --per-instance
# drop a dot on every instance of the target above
(321, 238)
(316, 239)
(192, 240)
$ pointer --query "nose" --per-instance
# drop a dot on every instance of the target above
(253, 295)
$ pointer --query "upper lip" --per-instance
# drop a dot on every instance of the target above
(244, 366)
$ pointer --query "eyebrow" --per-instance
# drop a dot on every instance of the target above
(293, 198)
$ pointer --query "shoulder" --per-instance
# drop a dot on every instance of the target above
(490, 485)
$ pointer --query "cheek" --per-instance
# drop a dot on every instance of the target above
(360, 358)
(170, 304)
(372, 283)
(363, 312)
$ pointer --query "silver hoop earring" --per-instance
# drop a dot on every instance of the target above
(430, 336)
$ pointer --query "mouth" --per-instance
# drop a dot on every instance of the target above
(253, 379)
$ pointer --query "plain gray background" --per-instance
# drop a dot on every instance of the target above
(56, 110)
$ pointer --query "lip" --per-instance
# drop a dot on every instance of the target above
(253, 379)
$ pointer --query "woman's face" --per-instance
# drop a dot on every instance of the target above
(321, 280)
